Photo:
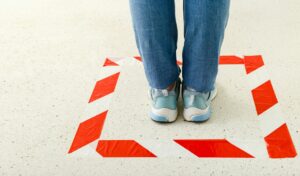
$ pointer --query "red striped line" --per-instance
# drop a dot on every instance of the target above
(279, 142)
(122, 148)
(104, 87)
(216, 148)
(88, 131)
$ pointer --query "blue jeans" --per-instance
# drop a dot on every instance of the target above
(156, 38)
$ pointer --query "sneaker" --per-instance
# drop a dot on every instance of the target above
(197, 105)
(164, 103)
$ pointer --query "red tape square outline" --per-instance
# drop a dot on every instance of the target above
(279, 143)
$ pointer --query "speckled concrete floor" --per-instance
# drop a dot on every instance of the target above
(51, 50)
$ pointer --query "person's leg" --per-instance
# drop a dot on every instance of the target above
(156, 38)
(204, 25)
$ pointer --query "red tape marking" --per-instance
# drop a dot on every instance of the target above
(264, 97)
(213, 148)
(138, 58)
(104, 87)
(122, 148)
(230, 60)
(252, 63)
(109, 62)
(179, 62)
(280, 144)
(88, 131)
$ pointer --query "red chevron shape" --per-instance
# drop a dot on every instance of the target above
(88, 131)
(109, 62)
(253, 62)
(264, 97)
(122, 148)
(138, 58)
(230, 60)
(280, 143)
(104, 87)
(215, 148)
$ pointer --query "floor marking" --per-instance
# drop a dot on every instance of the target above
(276, 142)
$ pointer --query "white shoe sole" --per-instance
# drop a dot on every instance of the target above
(163, 115)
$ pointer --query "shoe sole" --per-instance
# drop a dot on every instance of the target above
(163, 118)
(200, 118)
